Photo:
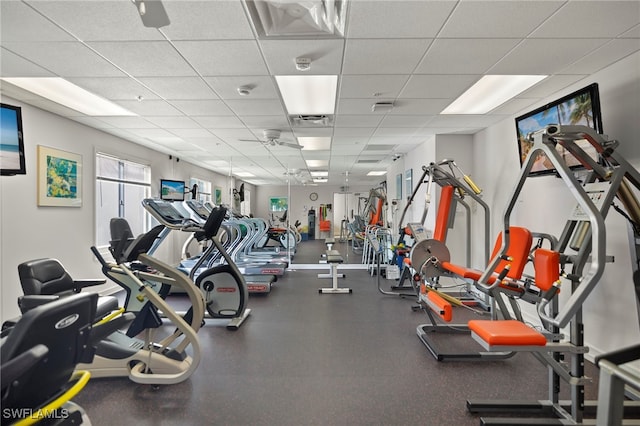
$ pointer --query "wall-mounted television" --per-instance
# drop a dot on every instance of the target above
(581, 107)
(172, 190)
(11, 142)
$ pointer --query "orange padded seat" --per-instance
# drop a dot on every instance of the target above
(407, 261)
(507, 333)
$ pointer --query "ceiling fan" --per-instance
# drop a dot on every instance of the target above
(271, 138)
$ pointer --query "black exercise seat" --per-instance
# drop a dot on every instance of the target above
(48, 277)
(39, 356)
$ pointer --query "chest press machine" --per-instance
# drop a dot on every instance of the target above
(585, 233)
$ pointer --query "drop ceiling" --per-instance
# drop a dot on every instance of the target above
(181, 80)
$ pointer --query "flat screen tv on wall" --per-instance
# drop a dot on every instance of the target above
(172, 190)
(581, 107)
(11, 143)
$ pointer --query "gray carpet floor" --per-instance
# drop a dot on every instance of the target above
(304, 358)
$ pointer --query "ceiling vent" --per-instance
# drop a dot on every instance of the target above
(295, 19)
(382, 106)
(315, 120)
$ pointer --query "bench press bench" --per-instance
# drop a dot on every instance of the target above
(334, 258)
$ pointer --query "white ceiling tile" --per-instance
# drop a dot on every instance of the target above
(177, 122)
(265, 121)
(632, 33)
(207, 20)
(157, 135)
(497, 19)
(465, 121)
(179, 88)
(557, 54)
(515, 105)
(261, 87)
(66, 59)
(211, 58)
(215, 122)
(98, 20)
(551, 85)
(437, 86)
(419, 106)
(198, 107)
(255, 107)
(145, 58)
(395, 131)
(597, 19)
(94, 122)
(149, 107)
(405, 120)
(353, 132)
(369, 120)
(190, 133)
(358, 107)
(12, 65)
(464, 56)
(325, 55)
(388, 56)
(395, 19)
(233, 134)
(128, 122)
(19, 22)
(371, 86)
(604, 56)
(114, 88)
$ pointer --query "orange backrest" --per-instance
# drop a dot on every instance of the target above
(442, 219)
(547, 265)
(520, 240)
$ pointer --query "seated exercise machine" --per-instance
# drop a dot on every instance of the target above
(585, 233)
(39, 354)
(223, 287)
(147, 360)
(456, 188)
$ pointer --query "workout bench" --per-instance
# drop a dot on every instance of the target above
(334, 258)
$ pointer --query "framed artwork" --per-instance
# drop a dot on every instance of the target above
(218, 196)
(278, 204)
(59, 178)
(408, 179)
(399, 186)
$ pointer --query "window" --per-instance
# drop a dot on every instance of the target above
(245, 206)
(204, 189)
(120, 187)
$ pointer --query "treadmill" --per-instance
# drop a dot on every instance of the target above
(173, 219)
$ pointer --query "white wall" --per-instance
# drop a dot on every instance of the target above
(610, 313)
(29, 232)
(299, 203)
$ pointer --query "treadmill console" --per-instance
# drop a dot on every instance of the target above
(164, 212)
(198, 208)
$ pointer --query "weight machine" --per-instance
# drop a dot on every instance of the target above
(585, 233)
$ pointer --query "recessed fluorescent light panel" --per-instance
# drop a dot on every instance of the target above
(376, 173)
(308, 94)
(244, 174)
(61, 91)
(490, 92)
(321, 180)
(319, 173)
(317, 163)
(313, 143)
